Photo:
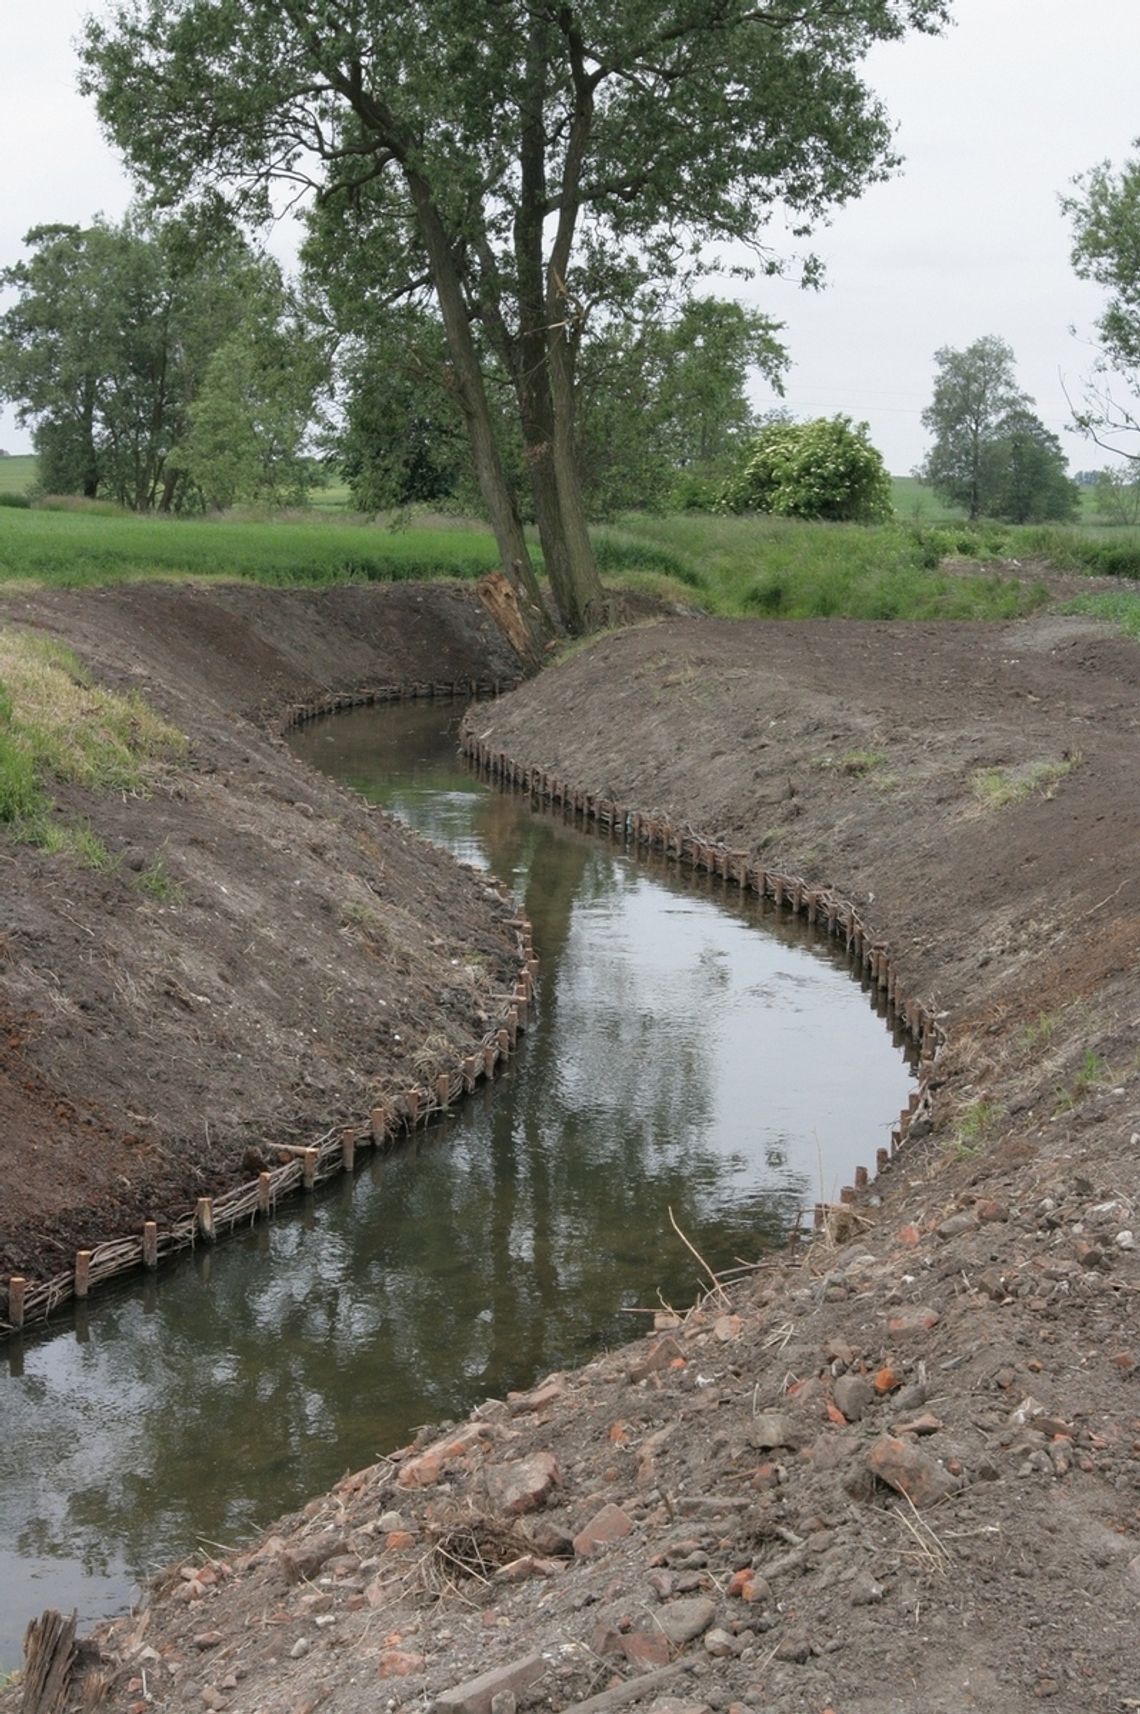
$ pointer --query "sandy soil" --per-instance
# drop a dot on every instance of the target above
(897, 1470)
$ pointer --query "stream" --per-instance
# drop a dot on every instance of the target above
(694, 1050)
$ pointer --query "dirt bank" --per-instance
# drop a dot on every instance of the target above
(305, 949)
(900, 1472)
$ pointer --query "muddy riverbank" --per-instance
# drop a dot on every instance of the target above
(306, 955)
(900, 1471)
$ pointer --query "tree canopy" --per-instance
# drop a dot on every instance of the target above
(991, 453)
(122, 342)
(1105, 213)
(522, 161)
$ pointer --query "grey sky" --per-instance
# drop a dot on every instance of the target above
(994, 120)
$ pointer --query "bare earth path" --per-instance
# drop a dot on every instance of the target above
(898, 1473)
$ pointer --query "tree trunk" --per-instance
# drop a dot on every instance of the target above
(472, 397)
(543, 379)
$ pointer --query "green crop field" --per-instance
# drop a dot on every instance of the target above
(80, 546)
(915, 503)
(17, 473)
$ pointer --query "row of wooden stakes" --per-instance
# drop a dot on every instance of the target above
(871, 955)
(301, 1167)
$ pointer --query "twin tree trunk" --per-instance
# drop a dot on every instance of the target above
(547, 425)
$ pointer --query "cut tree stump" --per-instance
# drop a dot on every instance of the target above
(49, 1661)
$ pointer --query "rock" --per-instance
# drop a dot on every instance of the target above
(853, 1395)
(212, 1698)
(773, 1428)
(522, 1486)
(300, 1647)
(504, 1702)
(399, 1663)
(606, 1526)
(476, 1695)
(865, 1592)
(207, 1639)
(912, 1322)
(662, 1354)
(886, 1380)
(646, 1650)
(548, 1538)
(427, 1467)
(956, 1224)
(911, 1398)
(304, 1559)
(681, 1621)
(720, 1643)
(795, 1648)
(927, 1423)
(902, 1466)
(540, 1398)
(728, 1327)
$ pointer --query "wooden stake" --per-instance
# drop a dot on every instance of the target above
(378, 1119)
(490, 1060)
(204, 1219)
(309, 1168)
(17, 1287)
(443, 1088)
(503, 1037)
(82, 1273)
(150, 1241)
(348, 1149)
(264, 1191)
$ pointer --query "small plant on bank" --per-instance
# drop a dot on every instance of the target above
(158, 883)
(1093, 1070)
(976, 1126)
(996, 788)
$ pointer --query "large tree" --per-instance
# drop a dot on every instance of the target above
(991, 453)
(514, 155)
(111, 339)
(1105, 213)
(974, 392)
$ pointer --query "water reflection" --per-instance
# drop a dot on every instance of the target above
(692, 1053)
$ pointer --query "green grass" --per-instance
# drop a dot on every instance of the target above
(996, 788)
(17, 473)
(777, 568)
(1120, 607)
(74, 547)
(915, 503)
(56, 727)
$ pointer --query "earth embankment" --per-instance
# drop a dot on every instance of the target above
(300, 949)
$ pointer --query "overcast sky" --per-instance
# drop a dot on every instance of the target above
(994, 118)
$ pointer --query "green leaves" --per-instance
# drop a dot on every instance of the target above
(991, 454)
(826, 469)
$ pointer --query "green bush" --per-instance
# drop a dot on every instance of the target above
(825, 470)
(20, 500)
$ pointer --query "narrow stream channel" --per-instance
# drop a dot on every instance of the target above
(694, 1050)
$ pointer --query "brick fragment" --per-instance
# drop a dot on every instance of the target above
(606, 1526)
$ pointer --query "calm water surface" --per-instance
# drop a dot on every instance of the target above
(693, 1051)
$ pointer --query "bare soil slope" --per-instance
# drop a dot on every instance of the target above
(307, 947)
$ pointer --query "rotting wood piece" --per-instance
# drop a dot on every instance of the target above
(49, 1663)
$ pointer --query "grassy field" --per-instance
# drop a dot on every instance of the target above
(725, 565)
(77, 546)
(17, 473)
